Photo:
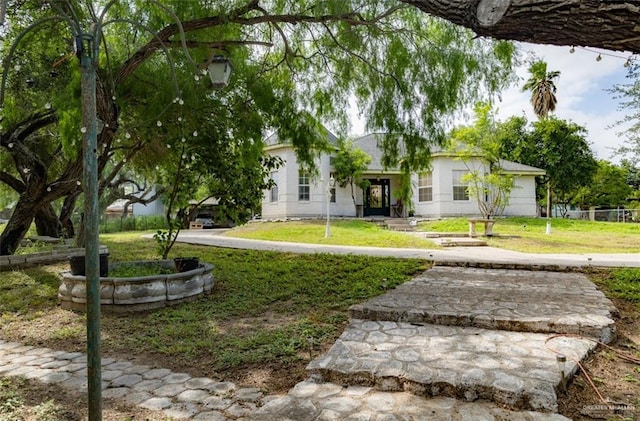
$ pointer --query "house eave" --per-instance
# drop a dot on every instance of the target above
(525, 173)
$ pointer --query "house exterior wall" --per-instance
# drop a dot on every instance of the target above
(522, 202)
(156, 207)
(443, 204)
(523, 198)
(288, 205)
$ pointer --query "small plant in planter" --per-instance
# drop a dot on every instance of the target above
(165, 241)
(181, 183)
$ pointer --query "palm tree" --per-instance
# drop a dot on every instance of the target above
(542, 88)
(543, 99)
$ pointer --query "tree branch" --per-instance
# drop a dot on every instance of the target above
(609, 24)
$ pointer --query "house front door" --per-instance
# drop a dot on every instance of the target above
(378, 198)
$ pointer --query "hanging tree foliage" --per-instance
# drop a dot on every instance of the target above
(408, 73)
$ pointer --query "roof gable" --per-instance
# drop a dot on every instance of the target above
(274, 139)
(517, 168)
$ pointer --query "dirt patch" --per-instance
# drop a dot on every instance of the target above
(615, 393)
(40, 402)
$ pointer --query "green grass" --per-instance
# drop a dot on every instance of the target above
(567, 235)
(520, 234)
(623, 283)
(130, 270)
(28, 291)
(263, 308)
(343, 232)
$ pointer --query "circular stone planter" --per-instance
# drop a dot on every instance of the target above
(138, 293)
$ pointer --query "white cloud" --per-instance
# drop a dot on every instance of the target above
(582, 96)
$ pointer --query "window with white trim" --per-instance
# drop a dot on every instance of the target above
(460, 187)
(273, 195)
(333, 189)
(425, 187)
(304, 188)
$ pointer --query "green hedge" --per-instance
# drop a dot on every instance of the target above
(133, 223)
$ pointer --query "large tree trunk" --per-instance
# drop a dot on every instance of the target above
(68, 207)
(614, 25)
(47, 222)
(17, 227)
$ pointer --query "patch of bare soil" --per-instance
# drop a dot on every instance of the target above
(615, 393)
(68, 406)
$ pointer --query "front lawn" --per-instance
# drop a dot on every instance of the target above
(344, 232)
(264, 309)
(269, 314)
(520, 234)
(567, 235)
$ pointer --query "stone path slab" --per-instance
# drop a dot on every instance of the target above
(315, 401)
(514, 369)
(516, 300)
(181, 396)
(178, 395)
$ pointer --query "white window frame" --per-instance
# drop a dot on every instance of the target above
(333, 190)
(304, 186)
(460, 189)
(273, 193)
(425, 187)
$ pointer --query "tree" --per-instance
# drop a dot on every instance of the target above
(606, 24)
(543, 100)
(560, 148)
(349, 164)
(629, 93)
(608, 188)
(633, 175)
(542, 88)
(409, 73)
(478, 146)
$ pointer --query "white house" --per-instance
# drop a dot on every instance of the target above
(436, 193)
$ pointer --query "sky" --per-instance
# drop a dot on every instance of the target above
(581, 93)
(582, 96)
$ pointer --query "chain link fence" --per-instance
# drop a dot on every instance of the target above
(608, 215)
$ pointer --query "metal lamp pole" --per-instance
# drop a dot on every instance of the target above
(87, 50)
(330, 185)
(88, 54)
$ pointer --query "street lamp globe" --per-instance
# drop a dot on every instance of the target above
(220, 71)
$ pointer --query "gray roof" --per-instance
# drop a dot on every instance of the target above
(274, 139)
(515, 167)
(369, 144)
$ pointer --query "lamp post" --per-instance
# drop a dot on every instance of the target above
(87, 51)
(330, 186)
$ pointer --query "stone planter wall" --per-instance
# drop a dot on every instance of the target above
(138, 293)
(60, 253)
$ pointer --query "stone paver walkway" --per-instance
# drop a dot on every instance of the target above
(516, 370)
(515, 300)
(453, 344)
(181, 396)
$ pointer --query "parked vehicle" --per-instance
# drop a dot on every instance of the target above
(206, 219)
